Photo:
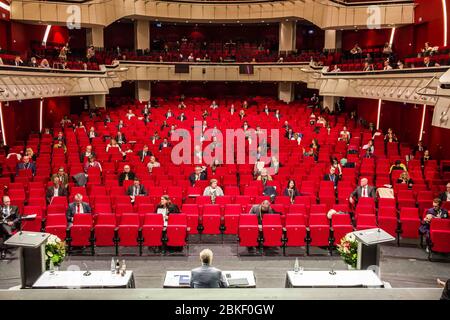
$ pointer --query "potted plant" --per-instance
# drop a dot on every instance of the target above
(55, 251)
(348, 249)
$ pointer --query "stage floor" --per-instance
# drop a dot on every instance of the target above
(402, 267)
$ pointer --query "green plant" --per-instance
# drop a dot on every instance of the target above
(55, 250)
(348, 249)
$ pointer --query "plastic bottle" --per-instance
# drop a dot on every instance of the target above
(113, 266)
(296, 266)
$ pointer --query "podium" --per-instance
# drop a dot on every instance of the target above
(31, 254)
(369, 247)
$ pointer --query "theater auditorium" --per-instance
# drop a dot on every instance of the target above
(265, 149)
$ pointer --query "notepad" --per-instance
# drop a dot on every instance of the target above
(238, 282)
(183, 280)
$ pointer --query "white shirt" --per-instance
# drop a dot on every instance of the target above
(55, 192)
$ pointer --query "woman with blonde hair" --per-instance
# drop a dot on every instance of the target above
(405, 179)
(29, 152)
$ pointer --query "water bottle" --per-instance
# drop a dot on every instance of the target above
(113, 266)
(123, 268)
(118, 266)
(296, 266)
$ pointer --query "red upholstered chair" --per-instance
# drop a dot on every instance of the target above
(272, 230)
(105, 230)
(231, 216)
(152, 230)
(387, 220)
(341, 224)
(295, 230)
(192, 215)
(248, 233)
(128, 230)
(177, 230)
(56, 224)
(81, 233)
(319, 231)
(35, 224)
(439, 236)
(364, 222)
(410, 222)
(211, 219)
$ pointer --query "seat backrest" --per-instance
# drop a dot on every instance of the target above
(248, 219)
(82, 219)
(177, 219)
(387, 212)
(153, 219)
(319, 220)
(271, 219)
(211, 209)
(341, 219)
(130, 219)
(406, 212)
(106, 219)
(56, 219)
(190, 208)
(440, 224)
(295, 219)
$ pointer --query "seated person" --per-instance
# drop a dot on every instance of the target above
(127, 174)
(86, 154)
(130, 114)
(120, 138)
(445, 196)
(264, 176)
(144, 153)
(313, 151)
(10, 221)
(419, 149)
(363, 191)
(92, 163)
(446, 292)
(344, 135)
(405, 179)
(113, 145)
(260, 210)
(213, 190)
(274, 165)
(167, 206)
(398, 165)
(369, 147)
(426, 156)
(164, 144)
(77, 207)
(332, 212)
(152, 164)
(435, 212)
(332, 176)
(136, 190)
(30, 153)
(60, 137)
(63, 177)
(291, 191)
(337, 166)
(390, 136)
(26, 164)
(56, 190)
(199, 174)
(207, 276)
(60, 145)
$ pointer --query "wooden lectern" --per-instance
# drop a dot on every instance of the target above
(369, 247)
(31, 254)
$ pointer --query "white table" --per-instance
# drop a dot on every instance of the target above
(172, 279)
(76, 279)
(342, 279)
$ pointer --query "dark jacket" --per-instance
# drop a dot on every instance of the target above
(122, 177)
(142, 190)
(192, 177)
(171, 208)
(72, 210)
(62, 192)
(141, 154)
(23, 166)
(357, 193)
(256, 209)
(207, 277)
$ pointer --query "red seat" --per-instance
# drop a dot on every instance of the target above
(56, 224)
(56, 209)
(341, 224)
(128, 230)
(152, 230)
(231, 218)
(272, 230)
(440, 235)
(405, 198)
(364, 222)
(35, 224)
(319, 227)
(176, 230)
(295, 230)
(387, 220)
(104, 230)
(81, 232)
(211, 219)
(248, 230)
(192, 215)
(410, 222)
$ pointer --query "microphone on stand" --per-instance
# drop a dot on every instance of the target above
(87, 273)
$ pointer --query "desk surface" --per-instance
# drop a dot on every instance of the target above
(76, 279)
(172, 279)
(342, 278)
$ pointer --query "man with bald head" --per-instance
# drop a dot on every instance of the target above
(127, 174)
(261, 210)
(363, 191)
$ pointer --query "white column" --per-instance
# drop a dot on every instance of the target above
(286, 91)
(98, 101)
(333, 39)
(94, 36)
(143, 90)
(287, 37)
(141, 34)
(329, 101)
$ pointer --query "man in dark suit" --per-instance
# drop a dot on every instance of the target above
(120, 138)
(136, 190)
(363, 191)
(27, 164)
(332, 176)
(126, 174)
(56, 190)
(144, 153)
(207, 276)
(164, 144)
(77, 207)
(182, 117)
(9, 221)
(199, 174)
(435, 212)
(427, 63)
(87, 154)
(445, 196)
(63, 177)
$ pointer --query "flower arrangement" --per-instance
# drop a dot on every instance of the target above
(348, 249)
(55, 250)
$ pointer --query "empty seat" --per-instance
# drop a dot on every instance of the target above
(341, 225)
(295, 230)
(248, 230)
(410, 222)
(81, 232)
(272, 230)
(105, 230)
(152, 230)
(177, 230)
